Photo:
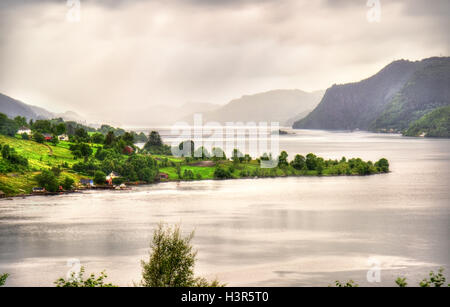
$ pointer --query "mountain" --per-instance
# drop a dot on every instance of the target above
(273, 106)
(399, 94)
(12, 108)
(433, 124)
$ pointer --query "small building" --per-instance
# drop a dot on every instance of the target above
(111, 176)
(128, 150)
(2, 194)
(87, 182)
(63, 137)
(25, 130)
(48, 136)
(38, 190)
(163, 176)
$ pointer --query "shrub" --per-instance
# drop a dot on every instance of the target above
(38, 137)
(47, 180)
(67, 184)
(222, 173)
(3, 278)
(80, 282)
(171, 261)
(99, 177)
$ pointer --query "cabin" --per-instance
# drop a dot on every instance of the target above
(2, 194)
(163, 176)
(87, 182)
(63, 137)
(24, 130)
(38, 190)
(128, 150)
(48, 137)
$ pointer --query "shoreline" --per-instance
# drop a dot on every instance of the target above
(130, 185)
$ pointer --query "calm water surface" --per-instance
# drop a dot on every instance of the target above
(262, 232)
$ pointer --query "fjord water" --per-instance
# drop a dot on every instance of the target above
(257, 232)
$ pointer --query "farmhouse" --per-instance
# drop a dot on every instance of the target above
(25, 130)
(63, 137)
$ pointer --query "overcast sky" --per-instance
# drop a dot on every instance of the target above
(135, 54)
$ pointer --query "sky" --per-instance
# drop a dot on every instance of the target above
(136, 54)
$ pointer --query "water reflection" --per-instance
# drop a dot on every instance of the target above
(284, 231)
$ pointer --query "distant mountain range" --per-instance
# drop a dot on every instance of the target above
(12, 108)
(400, 94)
(283, 106)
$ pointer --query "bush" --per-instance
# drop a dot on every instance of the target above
(38, 137)
(382, 165)
(3, 278)
(99, 177)
(80, 282)
(171, 261)
(222, 173)
(67, 184)
(47, 180)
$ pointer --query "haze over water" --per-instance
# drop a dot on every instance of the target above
(256, 232)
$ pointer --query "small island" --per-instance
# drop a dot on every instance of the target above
(53, 156)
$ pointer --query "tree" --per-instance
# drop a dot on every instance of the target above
(3, 278)
(7, 126)
(79, 281)
(47, 180)
(237, 156)
(42, 126)
(98, 138)
(299, 162)
(110, 139)
(25, 136)
(282, 159)
(382, 165)
(81, 134)
(222, 173)
(54, 140)
(154, 139)
(60, 129)
(38, 137)
(99, 177)
(186, 149)
(311, 161)
(67, 184)
(171, 261)
(21, 121)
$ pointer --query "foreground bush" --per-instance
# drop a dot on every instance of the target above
(80, 282)
(171, 261)
(3, 278)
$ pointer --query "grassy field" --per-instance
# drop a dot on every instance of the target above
(40, 156)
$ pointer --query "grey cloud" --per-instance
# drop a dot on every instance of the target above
(136, 54)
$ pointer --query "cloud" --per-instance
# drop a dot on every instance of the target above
(124, 57)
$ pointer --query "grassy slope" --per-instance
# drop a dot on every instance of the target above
(39, 158)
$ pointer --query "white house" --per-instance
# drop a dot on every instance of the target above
(25, 130)
(63, 137)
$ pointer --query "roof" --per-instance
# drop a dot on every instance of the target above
(24, 128)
